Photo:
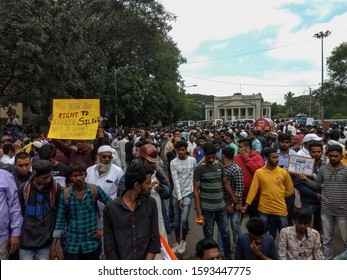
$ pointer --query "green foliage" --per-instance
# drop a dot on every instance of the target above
(71, 49)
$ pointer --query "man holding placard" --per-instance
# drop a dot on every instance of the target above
(332, 179)
(77, 119)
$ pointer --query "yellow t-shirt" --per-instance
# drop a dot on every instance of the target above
(274, 186)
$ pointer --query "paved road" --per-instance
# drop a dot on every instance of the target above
(197, 234)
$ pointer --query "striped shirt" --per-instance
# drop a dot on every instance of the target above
(334, 189)
(211, 185)
(82, 221)
(182, 176)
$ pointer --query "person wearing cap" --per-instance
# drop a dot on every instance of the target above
(34, 151)
(131, 229)
(84, 151)
(77, 213)
(11, 219)
(162, 189)
(332, 180)
(108, 176)
(304, 152)
(38, 213)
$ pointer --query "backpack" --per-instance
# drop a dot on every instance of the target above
(67, 197)
(52, 193)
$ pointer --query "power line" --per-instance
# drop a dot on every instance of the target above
(254, 52)
(246, 84)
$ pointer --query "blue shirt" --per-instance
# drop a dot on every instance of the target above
(244, 251)
(284, 159)
(10, 211)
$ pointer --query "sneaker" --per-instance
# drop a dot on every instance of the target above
(175, 247)
(182, 247)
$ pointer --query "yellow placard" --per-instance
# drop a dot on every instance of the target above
(75, 119)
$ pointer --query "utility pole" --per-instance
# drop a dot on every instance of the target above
(310, 103)
(321, 35)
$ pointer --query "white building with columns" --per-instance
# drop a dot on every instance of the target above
(238, 107)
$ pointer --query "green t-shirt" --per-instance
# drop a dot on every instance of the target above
(211, 186)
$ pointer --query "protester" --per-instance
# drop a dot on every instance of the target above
(182, 170)
(209, 184)
(77, 211)
(10, 216)
(300, 242)
(131, 222)
(257, 244)
(38, 198)
(249, 161)
(275, 185)
(332, 179)
(207, 249)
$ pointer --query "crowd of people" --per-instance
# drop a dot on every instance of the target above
(121, 195)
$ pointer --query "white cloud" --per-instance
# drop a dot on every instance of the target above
(218, 46)
(201, 20)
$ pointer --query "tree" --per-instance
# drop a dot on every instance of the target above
(71, 49)
(337, 65)
(289, 103)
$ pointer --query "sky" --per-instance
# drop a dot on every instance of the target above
(254, 46)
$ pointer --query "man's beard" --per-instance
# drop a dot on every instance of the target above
(102, 167)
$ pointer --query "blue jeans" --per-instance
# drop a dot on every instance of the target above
(221, 218)
(273, 223)
(235, 223)
(181, 217)
(38, 254)
(328, 223)
(314, 209)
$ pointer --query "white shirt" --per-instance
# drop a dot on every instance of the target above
(7, 160)
(109, 182)
(191, 147)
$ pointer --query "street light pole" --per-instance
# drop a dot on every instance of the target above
(321, 35)
(310, 104)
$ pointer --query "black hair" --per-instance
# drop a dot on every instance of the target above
(315, 144)
(268, 151)
(246, 142)
(302, 215)
(256, 226)
(231, 135)
(229, 152)
(204, 245)
(217, 141)
(7, 148)
(284, 136)
(77, 166)
(210, 148)
(136, 173)
(47, 151)
(21, 155)
(336, 148)
(180, 144)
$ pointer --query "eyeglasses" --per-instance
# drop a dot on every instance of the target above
(106, 156)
